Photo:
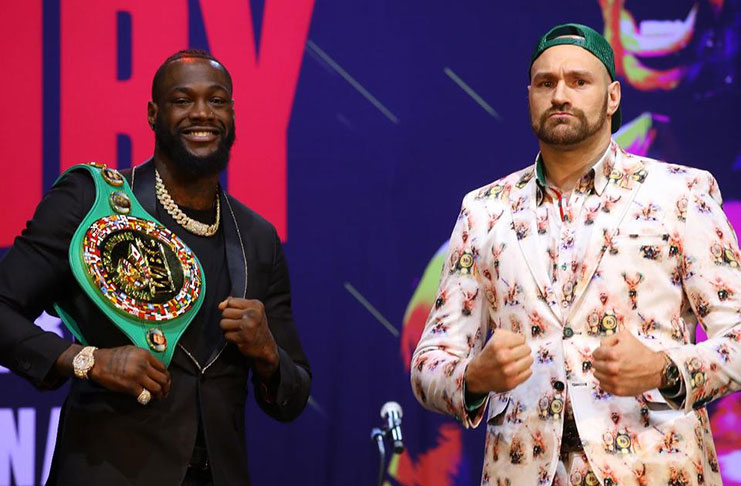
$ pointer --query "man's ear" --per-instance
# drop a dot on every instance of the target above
(614, 95)
(151, 113)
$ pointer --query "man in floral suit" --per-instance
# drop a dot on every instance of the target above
(571, 293)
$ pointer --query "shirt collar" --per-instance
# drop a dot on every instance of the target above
(596, 177)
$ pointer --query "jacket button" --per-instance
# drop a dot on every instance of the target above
(568, 332)
(559, 386)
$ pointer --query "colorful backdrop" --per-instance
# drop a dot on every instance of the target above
(360, 126)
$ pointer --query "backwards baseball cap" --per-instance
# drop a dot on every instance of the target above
(586, 38)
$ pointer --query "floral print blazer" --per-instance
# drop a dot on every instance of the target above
(659, 259)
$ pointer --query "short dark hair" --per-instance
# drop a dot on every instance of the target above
(184, 54)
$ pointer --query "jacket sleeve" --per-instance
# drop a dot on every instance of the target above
(286, 399)
(711, 278)
(457, 325)
(33, 274)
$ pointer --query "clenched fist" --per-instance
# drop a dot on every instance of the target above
(504, 363)
(625, 366)
(244, 323)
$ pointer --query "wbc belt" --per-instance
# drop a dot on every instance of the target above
(137, 272)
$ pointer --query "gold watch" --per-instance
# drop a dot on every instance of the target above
(670, 375)
(84, 361)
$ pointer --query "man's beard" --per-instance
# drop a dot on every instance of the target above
(193, 165)
(572, 135)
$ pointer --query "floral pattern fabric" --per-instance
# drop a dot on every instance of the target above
(653, 254)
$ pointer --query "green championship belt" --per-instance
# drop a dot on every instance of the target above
(140, 274)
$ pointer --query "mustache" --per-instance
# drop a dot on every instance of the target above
(562, 109)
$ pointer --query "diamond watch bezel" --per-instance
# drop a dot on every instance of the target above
(84, 361)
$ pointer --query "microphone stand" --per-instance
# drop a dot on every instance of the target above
(378, 435)
(391, 414)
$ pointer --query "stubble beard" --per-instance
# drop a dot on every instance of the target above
(189, 163)
(572, 135)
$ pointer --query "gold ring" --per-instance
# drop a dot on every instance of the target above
(144, 397)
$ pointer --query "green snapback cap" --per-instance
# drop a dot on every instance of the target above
(586, 38)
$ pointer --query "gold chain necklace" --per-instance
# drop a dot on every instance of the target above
(190, 224)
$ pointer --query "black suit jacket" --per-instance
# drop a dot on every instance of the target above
(107, 438)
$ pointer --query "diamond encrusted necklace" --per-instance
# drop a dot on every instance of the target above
(190, 224)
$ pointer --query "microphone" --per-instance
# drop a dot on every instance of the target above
(391, 413)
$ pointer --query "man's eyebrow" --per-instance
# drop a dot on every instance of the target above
(580, 72)
(542, 74)
(571, 72)
(186, 89)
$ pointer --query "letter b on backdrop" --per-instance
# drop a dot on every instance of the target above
(109, 53)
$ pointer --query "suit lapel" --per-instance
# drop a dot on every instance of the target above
(142, 184)
(236, 248)
(523, 207)
(626, 177)
(236, 259)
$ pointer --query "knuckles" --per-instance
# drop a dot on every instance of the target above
(253, 303)
(503, 355)
(258, 306)
(508, 372)
(495, 345)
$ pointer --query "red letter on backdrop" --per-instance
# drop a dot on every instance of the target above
(95, 106)
(264, 86)
(20, 152)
